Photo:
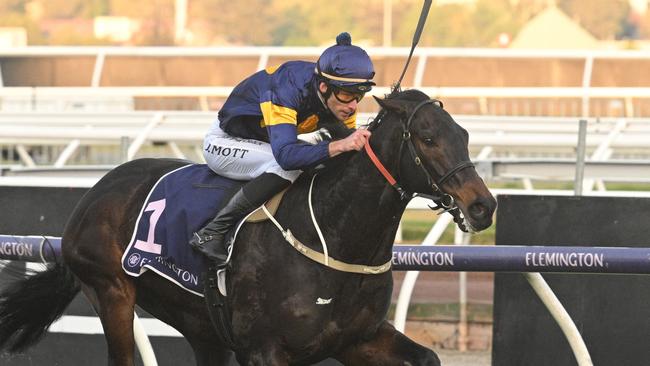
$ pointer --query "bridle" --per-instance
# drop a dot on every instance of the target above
(441, 199)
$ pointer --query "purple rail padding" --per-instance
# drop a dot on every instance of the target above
(30, 248)
(506, 258)
(470, 258)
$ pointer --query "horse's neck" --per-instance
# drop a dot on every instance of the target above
(358, 207)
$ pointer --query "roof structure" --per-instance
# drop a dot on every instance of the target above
(552, 28)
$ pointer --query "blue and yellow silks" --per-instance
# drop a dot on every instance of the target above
(279, 103)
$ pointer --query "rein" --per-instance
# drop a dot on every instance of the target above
(440, 198)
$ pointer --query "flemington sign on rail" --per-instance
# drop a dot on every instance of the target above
(521, 259)
(477, 258)
(13, 249)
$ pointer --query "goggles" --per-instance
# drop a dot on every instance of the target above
(346, 97)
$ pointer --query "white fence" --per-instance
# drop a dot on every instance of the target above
(493, 81)
(522, 148)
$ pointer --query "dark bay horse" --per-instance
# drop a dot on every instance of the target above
(274, 291)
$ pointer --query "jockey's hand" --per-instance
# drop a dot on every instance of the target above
(355, 141)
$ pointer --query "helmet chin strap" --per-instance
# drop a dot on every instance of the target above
(323, 98)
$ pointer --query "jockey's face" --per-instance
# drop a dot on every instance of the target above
(342, 110)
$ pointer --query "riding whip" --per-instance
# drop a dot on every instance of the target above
(416, 39)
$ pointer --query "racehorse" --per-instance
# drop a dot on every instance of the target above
(274, 291)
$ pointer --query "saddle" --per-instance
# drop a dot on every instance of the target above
(272, 206)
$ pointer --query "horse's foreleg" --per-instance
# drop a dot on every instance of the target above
(209, 354)
(388, 348)
(271, 355)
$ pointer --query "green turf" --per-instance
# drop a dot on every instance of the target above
(446, 312)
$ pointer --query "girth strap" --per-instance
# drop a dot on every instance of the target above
(218, 308)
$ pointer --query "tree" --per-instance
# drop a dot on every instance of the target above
(491, 18)
(87, 9)
(237, 22)
(156, 20)
(644, 26)
(290, 22)
(316, 23)
(456, 25)
(12, 6)
(13, 14)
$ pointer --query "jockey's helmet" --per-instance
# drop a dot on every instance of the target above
(345, 66)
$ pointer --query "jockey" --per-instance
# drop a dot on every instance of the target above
(268, 131)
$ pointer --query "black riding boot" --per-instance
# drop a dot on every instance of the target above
(211, 239)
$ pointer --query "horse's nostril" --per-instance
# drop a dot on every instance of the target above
(478, 210)
(482, 208)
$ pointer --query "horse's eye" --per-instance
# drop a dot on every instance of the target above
(428, 141)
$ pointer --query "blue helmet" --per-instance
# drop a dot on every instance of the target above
(346, 66)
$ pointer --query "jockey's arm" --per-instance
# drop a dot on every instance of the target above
(289, 152)
(293, 154)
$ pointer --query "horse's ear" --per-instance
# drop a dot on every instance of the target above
(392, 105)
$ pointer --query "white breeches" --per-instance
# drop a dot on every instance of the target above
(242, 159)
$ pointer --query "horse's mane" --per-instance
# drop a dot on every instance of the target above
(331, 164)
(412, 95)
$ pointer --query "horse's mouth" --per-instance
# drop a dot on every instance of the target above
(477, 213)
(473, 223)
(464, 224)
(468, 226)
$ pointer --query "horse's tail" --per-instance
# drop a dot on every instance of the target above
(29, 306)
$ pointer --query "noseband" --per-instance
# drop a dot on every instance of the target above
(440, 198)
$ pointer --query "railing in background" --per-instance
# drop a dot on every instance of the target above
(513, 136)
(515, 101)
(475, 81)
(524, 149)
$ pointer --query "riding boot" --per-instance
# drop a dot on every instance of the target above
(210, 240)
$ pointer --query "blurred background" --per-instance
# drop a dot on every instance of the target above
(594, 24)
(88, 84)
(483, 57)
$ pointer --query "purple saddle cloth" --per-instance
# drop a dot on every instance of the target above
(179, 204)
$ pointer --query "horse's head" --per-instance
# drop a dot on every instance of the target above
(434, 159)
